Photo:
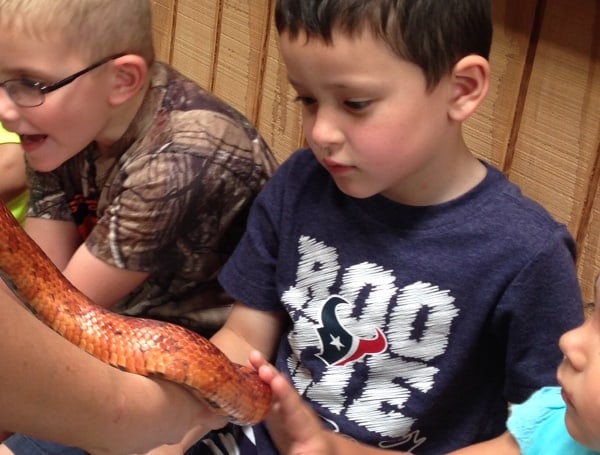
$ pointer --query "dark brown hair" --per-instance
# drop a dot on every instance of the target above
(433, 34)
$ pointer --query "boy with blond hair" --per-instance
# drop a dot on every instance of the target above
(140, 180)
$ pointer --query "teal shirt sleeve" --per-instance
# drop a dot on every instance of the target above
(539, 427)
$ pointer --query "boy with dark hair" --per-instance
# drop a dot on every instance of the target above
(406, 289)
(141, 180)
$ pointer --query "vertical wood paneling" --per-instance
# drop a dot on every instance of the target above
(488, 132)
(540, 122)
(195, 37)
(280, 119)
(163, 12)
(239, 71)
(560, 130)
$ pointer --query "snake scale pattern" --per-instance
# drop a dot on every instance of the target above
(141, 346)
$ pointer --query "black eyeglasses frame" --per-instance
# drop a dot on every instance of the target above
(44, 89)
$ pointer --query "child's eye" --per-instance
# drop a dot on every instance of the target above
(305, 100)
(357, 105)
(30, 83)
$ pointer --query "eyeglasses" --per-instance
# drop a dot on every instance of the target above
(30, 93)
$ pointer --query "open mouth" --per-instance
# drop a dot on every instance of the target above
(32, 138)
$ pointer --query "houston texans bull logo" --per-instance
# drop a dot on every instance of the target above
(340, 347)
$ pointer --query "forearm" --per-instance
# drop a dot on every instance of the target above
(61, 242)
(247, 330)
(54, 390)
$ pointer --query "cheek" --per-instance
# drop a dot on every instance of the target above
(380, 137)
(392, 147)
(586, 425)
(586, 429)
(406, 129)
(68, 132)
(55, 114)
(307, 127)
(75, 121)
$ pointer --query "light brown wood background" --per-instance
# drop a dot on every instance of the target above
(540, 123)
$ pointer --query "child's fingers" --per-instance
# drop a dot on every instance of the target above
(284, 392)
(257, 360)
(265, 370)
(292, 423)
(287, 403)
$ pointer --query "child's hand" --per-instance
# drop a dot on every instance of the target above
(293, 425)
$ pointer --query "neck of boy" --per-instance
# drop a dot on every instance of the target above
(443, 179)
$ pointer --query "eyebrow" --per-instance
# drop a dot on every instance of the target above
(22, 73)
(336, 85)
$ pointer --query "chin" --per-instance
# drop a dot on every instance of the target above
(43, 165)
(579, 434)
(356, 191)
(358, 194)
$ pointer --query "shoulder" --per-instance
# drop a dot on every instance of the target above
(302, 164)
(518, 217)
(183, 95)
(296, 187)
(541, 407)
(508, 196)
(182, 127)
(298, 176)
(542, 402)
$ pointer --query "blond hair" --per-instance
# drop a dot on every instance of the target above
(97, 28)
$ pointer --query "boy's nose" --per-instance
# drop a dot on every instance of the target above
(325, 131)
(8, 109)
(571, 343)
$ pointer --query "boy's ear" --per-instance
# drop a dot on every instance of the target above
(470, 79)
(129, 78)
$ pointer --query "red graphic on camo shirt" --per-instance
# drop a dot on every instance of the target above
(84, 214)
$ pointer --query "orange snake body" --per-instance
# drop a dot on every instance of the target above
(136, 345)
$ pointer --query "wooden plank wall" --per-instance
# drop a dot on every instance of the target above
(540, 123)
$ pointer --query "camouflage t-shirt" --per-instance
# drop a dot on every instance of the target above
(170, 198)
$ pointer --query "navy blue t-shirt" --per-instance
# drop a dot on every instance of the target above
(412, 327)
